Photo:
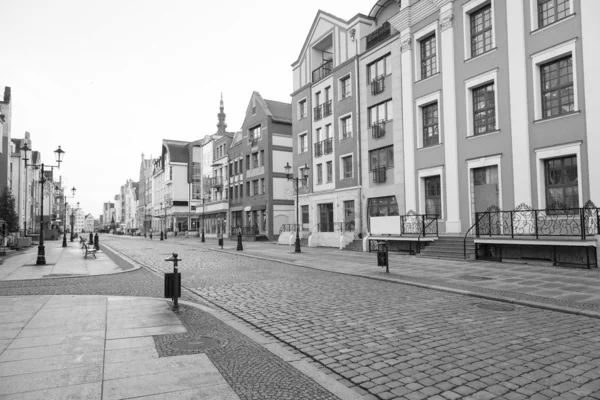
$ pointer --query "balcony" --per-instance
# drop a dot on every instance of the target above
(323, 70)
(378, 129)
(322, 110)
(253, 141)
(379, 174)
(215, 182)
(378, 85)
(324, 147)
(378, 36)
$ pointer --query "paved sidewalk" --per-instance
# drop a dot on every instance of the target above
(98, 347)
(563, 289)
(61, 262)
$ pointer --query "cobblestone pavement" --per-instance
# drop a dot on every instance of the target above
(251, 370)
(392, 341)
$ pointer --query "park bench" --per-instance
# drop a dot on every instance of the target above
(89, 249)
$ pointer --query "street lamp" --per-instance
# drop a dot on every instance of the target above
(59, 154)
(73, 221)
(161, 227)
(64, 244)
(304, 179)
(203, 199)
(166, 220)
(25, 159)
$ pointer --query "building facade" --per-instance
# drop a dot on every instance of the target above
(258, 154)
(5, 127)
(325, 126)
(144, 210)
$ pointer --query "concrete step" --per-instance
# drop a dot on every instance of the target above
(446, 257)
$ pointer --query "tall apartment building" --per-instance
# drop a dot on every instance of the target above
(466, 105)
(325, 127)
(259, 202)
(144, 213)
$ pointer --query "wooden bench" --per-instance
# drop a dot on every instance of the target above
(89, 249)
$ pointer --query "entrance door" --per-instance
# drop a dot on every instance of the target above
(326, 217)
(349, 215)
(485, 187)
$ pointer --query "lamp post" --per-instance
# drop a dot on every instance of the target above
(64, 244)
(203, 199)
(304, 178)
(166, 227)
(25, 159)
(161, 227)
(73, 221)
(59, 154)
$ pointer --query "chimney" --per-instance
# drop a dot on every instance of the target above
(6, 94)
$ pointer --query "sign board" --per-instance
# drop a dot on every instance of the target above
(385, 225)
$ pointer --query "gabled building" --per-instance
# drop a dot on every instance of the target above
(171, 190)
(326, 128)
(261, 205)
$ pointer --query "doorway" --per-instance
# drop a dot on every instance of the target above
(326, 217)
(486, 194)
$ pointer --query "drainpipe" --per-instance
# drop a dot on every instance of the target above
(358, 127)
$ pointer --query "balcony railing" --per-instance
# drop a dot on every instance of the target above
(327, 109)
(324, 147)
(318, 149)
(323, 70)
(378, 36)
(419, 224)
(216, 182)
(525, 221)
(378, 129)
(379, 174)
(378, 85)
(318, 112)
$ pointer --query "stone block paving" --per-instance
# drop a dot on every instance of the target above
(392, 341)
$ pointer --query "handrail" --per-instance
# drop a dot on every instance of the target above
(288, 228)
(424, 230)
(465, 238)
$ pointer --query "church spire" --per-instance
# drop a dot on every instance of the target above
(222, 126)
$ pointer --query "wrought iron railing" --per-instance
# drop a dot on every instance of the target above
(419, 224)
(235, 229)
(525, 221)
(318, 149)
(379, 174)
(250, 230)
(467, 234)
(318, 112)
(326, 227)
(216, 182)
(288, 228)
(327, 110)
(378, 84)
(378, 36)
(328, 146)
(349, 226)
(323, 70)
(378, 129)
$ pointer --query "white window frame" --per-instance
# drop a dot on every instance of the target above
(467, 9)
(429, 29)
(305, 133)
(481, 162)
(543, 57)
(319, 181)
(305, 100)
(419, 104)
(351, 155)
(341, 124)
(534, 17)
(426, 173)
(340, 86)
(541, 155)
(470, 84)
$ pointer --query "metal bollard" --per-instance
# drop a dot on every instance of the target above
(173, 282)
(239, 246)
(96, 241)
(161, 235)
(382, 256)
(91, 241)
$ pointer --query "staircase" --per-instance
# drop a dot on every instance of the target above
(355, 245)
(449, 248)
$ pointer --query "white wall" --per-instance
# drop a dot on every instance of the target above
(180, 185)
(280, 158)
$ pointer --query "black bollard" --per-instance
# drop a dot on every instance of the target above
(150, 235)
(161, 235)
(239, 246)
(91, 238)
(96, 242)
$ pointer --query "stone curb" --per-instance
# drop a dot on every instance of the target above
(323, 379)
(527, 303)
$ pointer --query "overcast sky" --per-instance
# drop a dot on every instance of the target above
(108, 80)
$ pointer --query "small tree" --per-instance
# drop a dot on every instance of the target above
(8, 212)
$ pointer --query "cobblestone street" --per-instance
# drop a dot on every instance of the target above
(388, 340)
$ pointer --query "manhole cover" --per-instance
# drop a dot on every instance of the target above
(200, 343)
(496, 307)
(473, 278)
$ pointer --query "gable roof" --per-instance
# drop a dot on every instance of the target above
(177, 150)
(280, 112)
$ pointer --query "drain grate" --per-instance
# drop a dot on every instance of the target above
(201, 343)
(473, 278)
(496, 307)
